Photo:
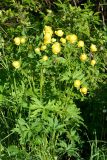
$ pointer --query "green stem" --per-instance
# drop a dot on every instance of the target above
(41, 83)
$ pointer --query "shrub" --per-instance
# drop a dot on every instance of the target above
(46, 64)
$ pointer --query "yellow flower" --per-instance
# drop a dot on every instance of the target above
(48, 29)
(37, 50)
(22, 40)
(77, 83)
(56, 48)
(81, 44)
(45, 58)
(72, 38)
(68, 37)
(93, 48)
(53, 39)
(47, 36)
(93, 62)
(63, 40)
(49, 11)
(16, 64)
(47, 41)
(83, 57)
(59, 33)
(43, 48)
(17, 40)
(83, 90)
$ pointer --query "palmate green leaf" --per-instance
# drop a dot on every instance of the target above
(21, 126)
(65, 76)
(36, 104)
(73, 136)
(35, 113)
(13, 150)
(61, 127)
(78, 75)
(63, 148)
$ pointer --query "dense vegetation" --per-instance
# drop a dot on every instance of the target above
(53, 65)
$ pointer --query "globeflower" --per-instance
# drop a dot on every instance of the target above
(48, 29)
(16, 64)
(17, 40)
(63, 40)
(83, 90)
(93, 48)
(93, 62)
(81, 44)
(83, 57)
(77, 83)
(43, 48)
(22, 40)
(37, 50)
(59, 33)
(72, 38)
(56, 48)
(47, 36)
(53, 39)
(45, 58)
(47, 41)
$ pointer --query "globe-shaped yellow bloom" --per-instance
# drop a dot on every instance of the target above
(45, 58)
(63, 40)
(43, 48)
(56, 48)
(93, 48)
(93, 62)
(47, 36)
(16, 64)
(53, 39)
(22, 40)
(59, 33)
(72, 38)
(47, 41)
(83, 57)
(81, 44)
(17, 40)
(83, 90)
(77, 83)
(37, 50)
(48, 29)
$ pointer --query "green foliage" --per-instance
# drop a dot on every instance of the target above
(37, 86)
(98, 152)
(51, 128)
